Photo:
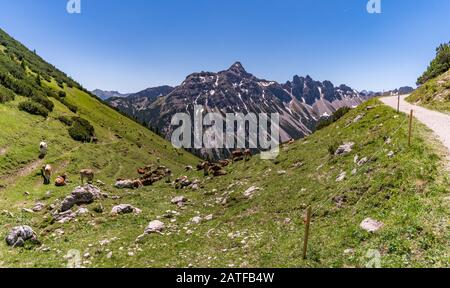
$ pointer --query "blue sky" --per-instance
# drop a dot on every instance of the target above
(134, 44)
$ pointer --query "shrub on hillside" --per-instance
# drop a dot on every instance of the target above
(44, 101)
(62, 94)
(6, 95)
(438, 66)
(65, 120)
(33, 108)
(81, 130)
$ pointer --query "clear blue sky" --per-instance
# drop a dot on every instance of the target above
(134, 44)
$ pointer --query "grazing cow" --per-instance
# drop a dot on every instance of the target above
(61, 180)
(87, 174)
(237, 155)
(43, 147)
(46, 173)
(247, 154)
(224, 163)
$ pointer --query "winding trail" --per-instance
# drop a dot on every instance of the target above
(436, 121)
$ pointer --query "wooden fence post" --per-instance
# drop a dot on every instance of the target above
(307, 225)
(411, 115)
(398, 104)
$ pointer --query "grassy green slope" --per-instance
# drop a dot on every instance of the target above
(434, 94)
(406, 192)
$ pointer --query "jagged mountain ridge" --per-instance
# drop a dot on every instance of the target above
(104, 95)
(300, 102)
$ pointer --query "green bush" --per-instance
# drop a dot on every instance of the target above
(44, 101)
(33, 108)
(81, 130)
(66, 120)
(6, 94)
(62, 94)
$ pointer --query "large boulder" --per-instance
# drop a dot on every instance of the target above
(81, 195)
(18, 235)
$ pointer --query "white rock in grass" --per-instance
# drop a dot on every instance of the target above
(345, 148)
(250, 192)
(155, 226)
(371, 225)
(341, 177)
(196, 220)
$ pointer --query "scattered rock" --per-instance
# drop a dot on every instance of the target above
(250, 192)
(82, 211)
(281, 172)
(371, 225)
(64, 217)
(363, 161)
(128, 184)
(155, 226)
(38, 207)
(356, 159)
(125, 209)
(19, 235)
(209, 217)
(196, 220)
(345, 148)
(81, 195)
(26, 210)
(341, 177)
(179, 200)
(358, 118)
(388, 141)
(391, 154)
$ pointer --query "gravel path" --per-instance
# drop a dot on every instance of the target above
(436, 121)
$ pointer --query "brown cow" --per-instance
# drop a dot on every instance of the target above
(46, 173)
(61, 180)
(248, 154)
(87, 174)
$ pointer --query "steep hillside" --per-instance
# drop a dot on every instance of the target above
(222, 226)
(434, 94)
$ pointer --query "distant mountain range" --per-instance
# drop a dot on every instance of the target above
(108, 94)
(301, 102)
(400, 91)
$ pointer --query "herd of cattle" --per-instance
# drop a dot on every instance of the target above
(149, 174)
